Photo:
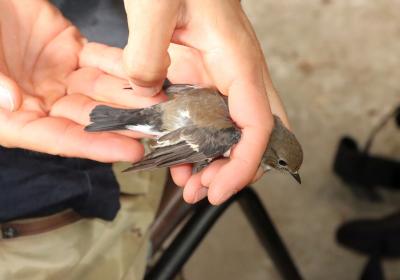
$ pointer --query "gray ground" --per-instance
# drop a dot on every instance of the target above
(335, 64)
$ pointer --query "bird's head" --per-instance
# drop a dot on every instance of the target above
(284, 152)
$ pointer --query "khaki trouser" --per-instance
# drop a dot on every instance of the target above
(91, 248)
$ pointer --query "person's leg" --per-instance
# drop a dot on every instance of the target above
(91, 248)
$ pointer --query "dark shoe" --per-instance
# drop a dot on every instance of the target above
(380, 236)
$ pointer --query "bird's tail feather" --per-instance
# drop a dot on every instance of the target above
(106, 118)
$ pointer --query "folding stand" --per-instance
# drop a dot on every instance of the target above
(204, 217)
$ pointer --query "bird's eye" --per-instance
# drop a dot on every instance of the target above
(282, 162)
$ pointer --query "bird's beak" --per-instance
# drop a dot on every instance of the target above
(296, 176)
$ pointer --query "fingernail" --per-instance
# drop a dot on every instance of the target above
(144, 91)
(6, 101)
(200, 194)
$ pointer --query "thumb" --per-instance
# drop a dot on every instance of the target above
(10, 94)
(151, 26)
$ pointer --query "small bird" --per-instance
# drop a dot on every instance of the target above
(194, 126)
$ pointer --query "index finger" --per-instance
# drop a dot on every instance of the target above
(151, 27)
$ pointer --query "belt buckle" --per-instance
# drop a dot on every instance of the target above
(8, 232)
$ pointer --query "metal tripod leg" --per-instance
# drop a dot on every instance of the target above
(267, 234)
(193, 232)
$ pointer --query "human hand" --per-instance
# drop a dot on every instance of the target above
(39, 57)
(221, 50)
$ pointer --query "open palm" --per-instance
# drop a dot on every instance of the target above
(39, 60)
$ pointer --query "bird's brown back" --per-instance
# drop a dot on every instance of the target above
(201, 107)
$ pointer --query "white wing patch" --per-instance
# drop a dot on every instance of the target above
(147, 129)
(166, 143)
(162, 144)
(193, 146)
(227, 153)
(184, 114)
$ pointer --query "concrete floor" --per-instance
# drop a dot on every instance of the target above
(336, 66)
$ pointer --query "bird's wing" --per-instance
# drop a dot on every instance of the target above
(175, 90)
(171, 149)
(168, 156)
(185, 145)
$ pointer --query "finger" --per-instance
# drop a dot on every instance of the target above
(181, 174)
(186, 63)
(275, 101)
(107, 59)
(77, 107)
(10, 94)
(151, 25)
(251, 113)
(106, 88)
(260, 172)
(211, 170)
(63, 137)
(244, 161)
(194, 191)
